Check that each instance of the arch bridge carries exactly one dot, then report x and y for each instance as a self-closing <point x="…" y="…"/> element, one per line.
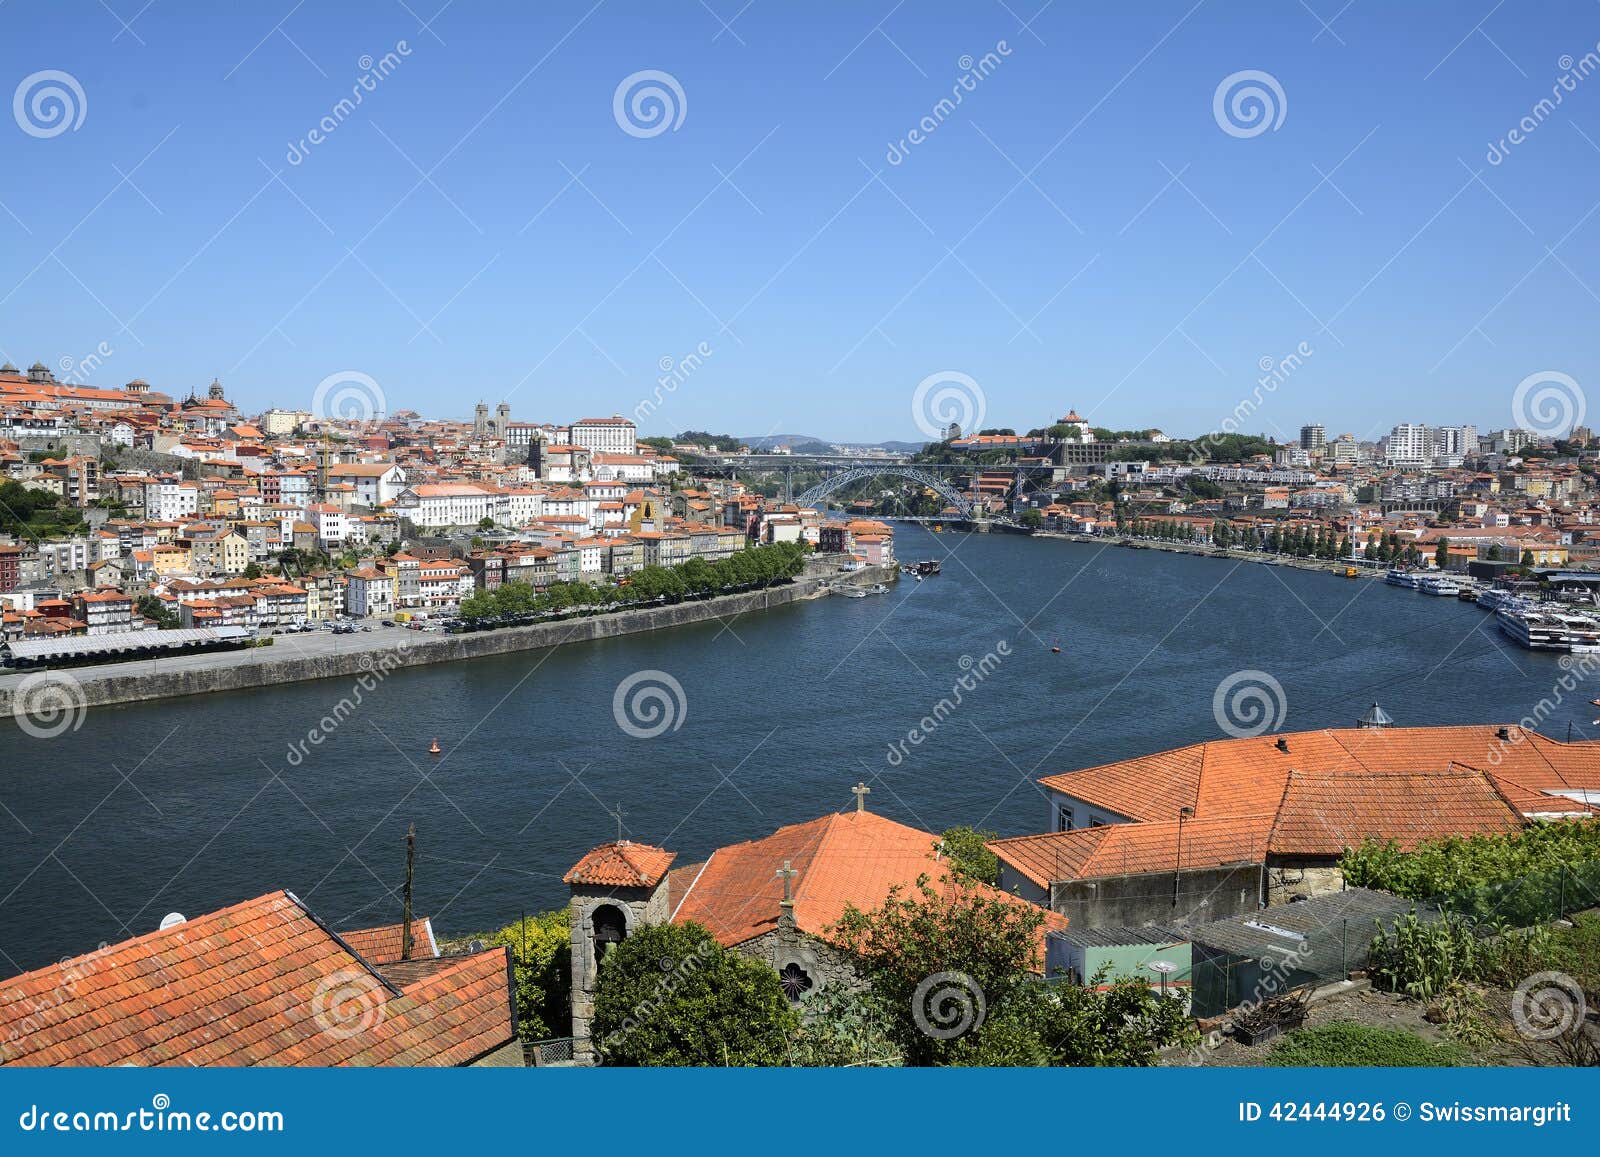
<point x="928" y="478"/>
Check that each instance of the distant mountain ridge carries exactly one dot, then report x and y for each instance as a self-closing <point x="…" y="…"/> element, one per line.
<point x="767" y="441"/>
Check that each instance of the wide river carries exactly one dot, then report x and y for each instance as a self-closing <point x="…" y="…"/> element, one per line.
<point x="191" y="804"/>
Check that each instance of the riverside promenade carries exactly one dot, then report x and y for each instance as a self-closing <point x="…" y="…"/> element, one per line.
<point x="324" y="655"/>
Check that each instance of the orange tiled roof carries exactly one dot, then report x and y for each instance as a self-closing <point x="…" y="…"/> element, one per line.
<point x="1130" y="849"/>
<point x="382" y="945"/>
<point x="258" y="983"/>
<point x="1323" y="814"/>
<point x="623" y="864"/>
<point x="1248" y="776"/>
<point x="853" y="858"/>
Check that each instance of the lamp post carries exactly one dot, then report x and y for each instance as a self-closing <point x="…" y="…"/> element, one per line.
<point x="1177" y="868"/>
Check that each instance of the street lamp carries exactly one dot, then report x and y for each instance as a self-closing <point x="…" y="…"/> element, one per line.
<point x="1184" y="813"/>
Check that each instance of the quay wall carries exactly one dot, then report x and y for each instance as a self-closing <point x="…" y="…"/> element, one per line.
<point x="101" y="687"/>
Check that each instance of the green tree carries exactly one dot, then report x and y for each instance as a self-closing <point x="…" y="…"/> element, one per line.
<point x="252" y="571"/>
<point x="1527" y="557"/>
<point x="541" y="955"/>
<point x="1032" y="518"/>
<point x="153" y="609"/>
<point x="669" y="994"/>
<point x="969" y="858"/>
<point x="1441" y="554"/>
<point x="486" y="523"/>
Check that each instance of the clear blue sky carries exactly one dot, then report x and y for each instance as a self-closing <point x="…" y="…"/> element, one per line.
<point x="1141" y="272"/>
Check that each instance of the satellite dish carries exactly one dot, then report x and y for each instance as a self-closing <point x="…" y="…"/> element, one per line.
<point x="172" y="920"/>
<point x="1162" y="966"/>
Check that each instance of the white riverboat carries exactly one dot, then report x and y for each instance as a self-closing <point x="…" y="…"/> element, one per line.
<point x="1435" y="585"/>
<point x="1401" y="578"/>
<point x="1550" y="630"/>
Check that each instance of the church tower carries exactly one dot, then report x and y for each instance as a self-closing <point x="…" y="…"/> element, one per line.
<point x="616" y="888"/>
<point x="480" y="420"/>
<point x="215" y="391"/>
<point x="502" y="420"/>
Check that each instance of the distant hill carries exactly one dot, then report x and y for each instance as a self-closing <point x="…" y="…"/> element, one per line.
<point x="812" y="444"/>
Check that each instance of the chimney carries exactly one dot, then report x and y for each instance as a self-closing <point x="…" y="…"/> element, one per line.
<point x="1283" y="745"/>
<point x="1504" y="735"/>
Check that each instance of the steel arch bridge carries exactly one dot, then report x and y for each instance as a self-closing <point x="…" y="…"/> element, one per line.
<point x="859" y="473"/>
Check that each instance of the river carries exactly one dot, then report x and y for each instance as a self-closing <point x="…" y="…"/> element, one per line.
<point x="191" y="804"/>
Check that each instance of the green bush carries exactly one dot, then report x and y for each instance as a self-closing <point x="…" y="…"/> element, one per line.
<point x="541" y="954"/>
<point x="671" y="995"/>
<point x="1346" y="1043"/>
<point x="1438" y="868"/>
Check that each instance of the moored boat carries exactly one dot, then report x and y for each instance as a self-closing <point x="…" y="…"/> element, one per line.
<point x="1401" y="578"/>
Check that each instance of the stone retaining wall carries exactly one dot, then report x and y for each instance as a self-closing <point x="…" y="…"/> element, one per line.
<point x="140" y="684"/>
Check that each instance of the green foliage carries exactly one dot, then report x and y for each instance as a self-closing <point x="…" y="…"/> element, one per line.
<point x="669" y="994"/>
<point x="1345" y="1043"/>
<point x="1426" y="960"/>
<point x="756" y="567"/>
<point x="843" y="1027"/>
<point x="1032" y="518"/>
<point x="724" y="442"/>
<point x="36" y="514"/>
<point x="969" y="858"/>
<point x="1458" y="864"/>
<point x="541" y="955"/>
<point x="964" y="960"/>
<point x="252" y="571"/>
<point x="155" y="610"/>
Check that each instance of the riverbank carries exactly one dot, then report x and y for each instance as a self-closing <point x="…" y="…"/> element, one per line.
<point x="329" y="656"/>
<point x="1326" y="566"/>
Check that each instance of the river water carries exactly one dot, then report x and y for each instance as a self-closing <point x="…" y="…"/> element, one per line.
<point x="191" y="804"/>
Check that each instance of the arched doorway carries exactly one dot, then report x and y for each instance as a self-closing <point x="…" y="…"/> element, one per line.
<point x="610" y="927"/>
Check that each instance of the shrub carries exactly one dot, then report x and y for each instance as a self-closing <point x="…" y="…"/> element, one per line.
<point x="1346" y="1043"/>
<point x="541" y="954"/>
<point x="671" y="995"/>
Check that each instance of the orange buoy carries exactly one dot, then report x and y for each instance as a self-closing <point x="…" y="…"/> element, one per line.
<point x="435" y="749"/>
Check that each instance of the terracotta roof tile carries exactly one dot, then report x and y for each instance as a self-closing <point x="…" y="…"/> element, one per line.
<point x="622" y="864"/>
<point x="262" y="982"/>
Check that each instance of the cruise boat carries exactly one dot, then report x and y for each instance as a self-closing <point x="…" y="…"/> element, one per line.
<point x="1550" y="630"/>
<point x="1401" y="578"/>
<point x="1435" y="585"/>
<point x="1498" y="598"/>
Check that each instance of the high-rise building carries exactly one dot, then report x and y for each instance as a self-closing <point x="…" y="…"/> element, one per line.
<point x="1455" y="441"/>
<point x="1345" y="450"/>
<point x="1313" y="440"/>
<point x="1409" y="444"/>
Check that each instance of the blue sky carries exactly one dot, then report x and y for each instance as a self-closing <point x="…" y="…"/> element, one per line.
<point x="1080" y="231"/>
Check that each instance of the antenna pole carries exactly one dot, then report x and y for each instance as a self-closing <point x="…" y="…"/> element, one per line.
<point x="405" y="920"/>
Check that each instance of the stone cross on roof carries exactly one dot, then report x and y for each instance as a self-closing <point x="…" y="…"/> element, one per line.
<point x="787" y="875"/>
<point x="861" y="791"/>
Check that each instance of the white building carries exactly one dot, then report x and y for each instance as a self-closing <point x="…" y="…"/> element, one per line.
<point x="442" y="504"/>
<point x="1409" y="444"/>
<point x="613" y="435"/>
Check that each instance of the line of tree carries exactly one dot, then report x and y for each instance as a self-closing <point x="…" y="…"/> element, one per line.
<point x="759" y="566"/>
